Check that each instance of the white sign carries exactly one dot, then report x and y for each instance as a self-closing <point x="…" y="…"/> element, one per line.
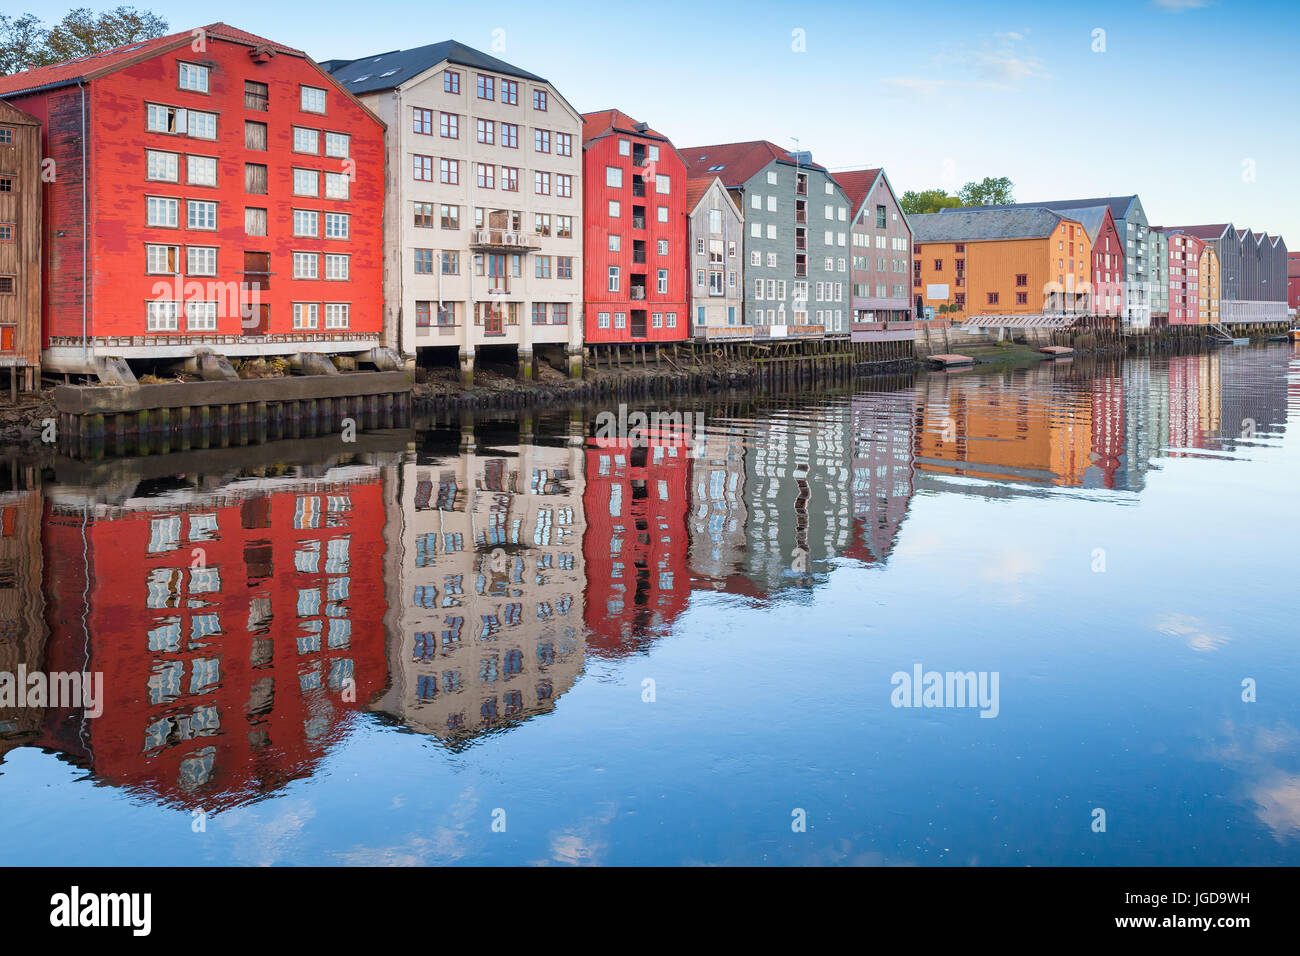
<point x="939" y="291"/>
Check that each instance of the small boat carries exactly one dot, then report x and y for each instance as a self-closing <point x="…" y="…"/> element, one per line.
<point x="1057" y="351"/>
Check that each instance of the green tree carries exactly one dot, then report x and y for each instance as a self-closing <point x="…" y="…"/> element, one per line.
<point x="991" y="191"/>
<point x="22" y="40"/>
<point x="927" y="200"/>
<point x="26" y="43"/>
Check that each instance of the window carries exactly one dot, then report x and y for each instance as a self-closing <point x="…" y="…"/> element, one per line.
<point x="615" y="242"/>
<point x="1022" y="279"/>
<point x="162" y="260"/>
<point x="164" y="167"/>
<point x="313" y="100"/>
<point x="663" y="247"/>
<point x="337" y="225"/>
<point x="450" y="262"/>
<point x="510" y="92"/>
<point x="337" y="266"/>
<point x="451" y="81"/>
<point x="564" y="267"/>
<point x="613" y="177"/>
<point x="306" y="182"/>
<point x="158" y="119"/>
<point x="337" y="315"/>
<point x="256" y="96"/>
<point x="663" y="282"/>
<point x="602" y="320"/>
<point x="254" y="135"/>
<point x="1022" y="298"/>
<point x="662" y="216"/>
<point x="486" y="87"/>
<point x="200" y="214"/>
<point x="542" y="224"/>
<point x="564" y="227"/>
<point x="422" y="167"/>
<point x="201" y="316"/>
<point x="993" y="298"/>
<point x="161" y="316"/>
<point x="449" y="217"/>
<point x="201" y="260"/>
<point x="542" y="183"/>
<point x="487" y="132"/>
<point x="306" y="265"/>
<point x="203" y="125"/>
<point x="620" y="320"/>
<point x="306" y="140"/>
<point x="255" y="221"/>
<point x="613" y="279"/>
<point x="542" y="267"/>
<point x="201" y="170"/>
<point x="163" y="211"/>
<point x="663" y="183"/>
<point x="563" y="144"/>
<point x="449" y="126"/>
<point x="449" y="171"/>
<point x="306" y="222"/>
<point x="510" y="178"/>
<point x="485" y="175"/>
<point x="336" y="185"/>
<point x="542" y="140"/>
<point x="423" y="262"/>
<point x="564" y="185"/>
<point x="615" y="210"/>
<point x="193" y="77"/>
<point x="305" y="315"/>
<point x="539" y="100"/>
<point x="338" y="145"/>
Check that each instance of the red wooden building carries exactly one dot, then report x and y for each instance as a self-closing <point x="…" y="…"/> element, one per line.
<point x="212" y="189"/>
<point x="634" y="234"/>
<point x="1107" y="262"/>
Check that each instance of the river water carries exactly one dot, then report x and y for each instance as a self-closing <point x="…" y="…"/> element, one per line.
<point x="529" y="640"/>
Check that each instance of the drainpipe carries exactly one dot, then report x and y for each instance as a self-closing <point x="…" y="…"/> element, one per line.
<point x="85" y="343"/>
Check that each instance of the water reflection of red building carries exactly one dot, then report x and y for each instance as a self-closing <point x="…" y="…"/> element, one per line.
<point x="235" y="631"/>
<point x="1108" y="431"/>
<point x="637" y="543"/>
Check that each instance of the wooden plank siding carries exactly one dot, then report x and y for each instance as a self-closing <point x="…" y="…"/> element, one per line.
<point x="20" y="239"/>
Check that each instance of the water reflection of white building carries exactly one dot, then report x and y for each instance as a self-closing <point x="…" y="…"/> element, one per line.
<point x="718" y="512"/>
<point x="486" y="579"/>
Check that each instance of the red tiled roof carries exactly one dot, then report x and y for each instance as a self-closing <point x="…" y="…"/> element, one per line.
<point x="695" y="189"/>
<point x="603" y="122"/>
<point x="856" y="183"/>
<point x="88" y="67"/>
<point x="738" y="161"/>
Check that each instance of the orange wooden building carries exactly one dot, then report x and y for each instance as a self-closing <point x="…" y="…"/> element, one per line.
<point x="1011" y="261"/>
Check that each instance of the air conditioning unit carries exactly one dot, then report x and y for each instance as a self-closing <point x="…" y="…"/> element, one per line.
<point x="514" y="239"/>
<point x="483" y="235"/>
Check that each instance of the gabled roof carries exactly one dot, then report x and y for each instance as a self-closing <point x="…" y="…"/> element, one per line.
<point x="1212" y="231"/>
<point x="606" y="122"/>
<point x="1092" y="218"/>
<point x="695" y="190"/>
<point x="975" y="223"/>
<point x="385" y="71"/>
<point x="737" y="163"/>
<point x="857" y="184"/>
<point x="16" y="117"/>
<point x="89" y="67"/>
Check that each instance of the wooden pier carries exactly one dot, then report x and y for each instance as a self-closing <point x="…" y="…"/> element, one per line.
<point x="95" y="421"/>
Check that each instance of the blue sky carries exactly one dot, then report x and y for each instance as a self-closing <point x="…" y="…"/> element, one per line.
<point x="936" y="92"/>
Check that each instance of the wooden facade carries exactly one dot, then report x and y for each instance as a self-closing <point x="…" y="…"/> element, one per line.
<point x="20" y="246"/>
<point x="214" y="190"/>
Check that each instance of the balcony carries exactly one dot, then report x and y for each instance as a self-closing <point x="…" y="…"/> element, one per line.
<point x="501" y="240"/>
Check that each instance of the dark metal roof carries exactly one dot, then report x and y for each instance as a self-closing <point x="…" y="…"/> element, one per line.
<point x="983" y="222"/>
<point x="384" y="71"/>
